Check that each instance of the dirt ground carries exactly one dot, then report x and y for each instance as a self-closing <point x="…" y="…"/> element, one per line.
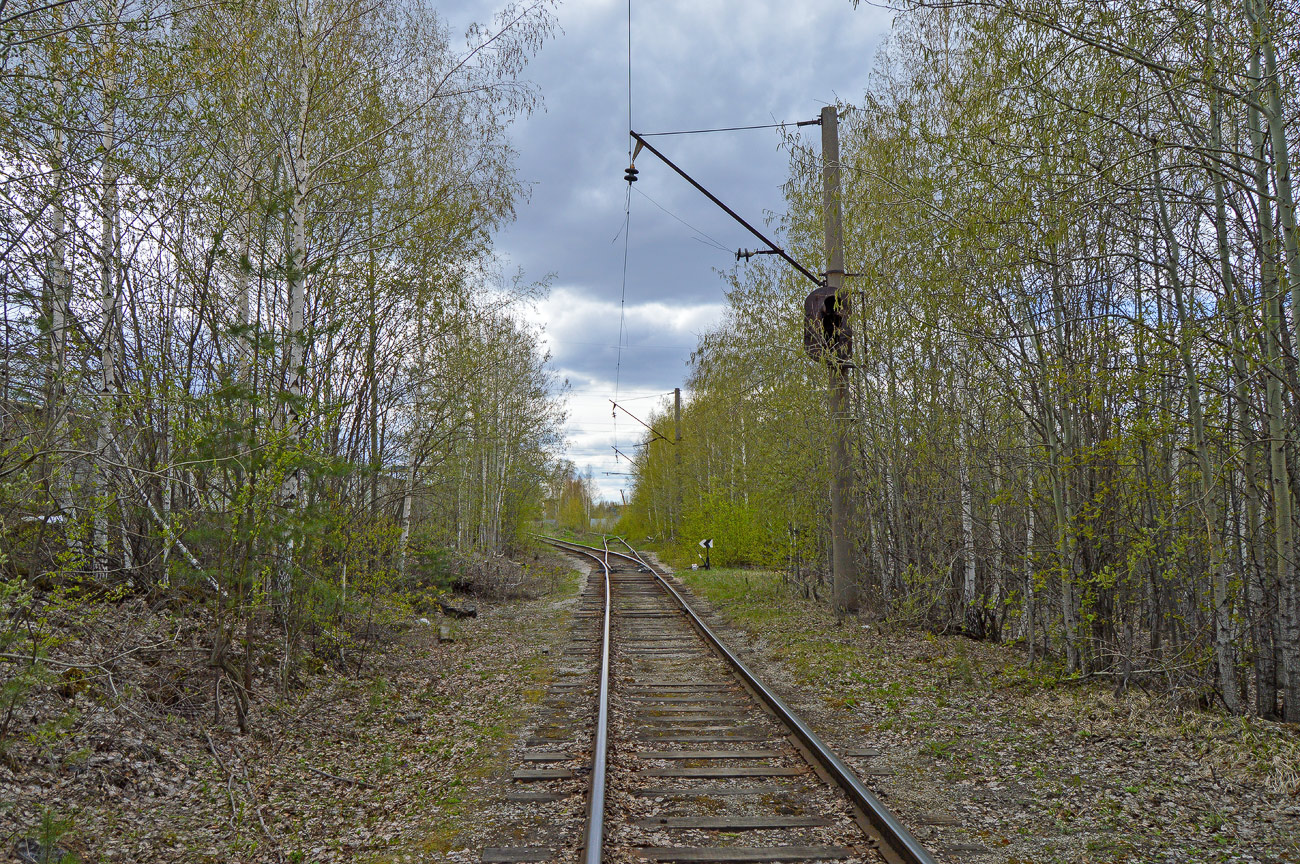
<point x="988" y="760"/>
<point x="993" y="761"/>
<point x="384" y="765"/>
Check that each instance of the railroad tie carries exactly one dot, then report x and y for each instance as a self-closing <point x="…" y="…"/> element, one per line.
<point x="719" y="746"/>
<point x="744" y="854"/>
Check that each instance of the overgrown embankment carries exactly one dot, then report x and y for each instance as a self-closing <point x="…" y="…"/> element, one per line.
<point x="1026" y="764"/>
<point x="128" y="749"/>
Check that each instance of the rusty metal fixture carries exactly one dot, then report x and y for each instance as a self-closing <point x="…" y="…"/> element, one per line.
<point x="827" y="333"/>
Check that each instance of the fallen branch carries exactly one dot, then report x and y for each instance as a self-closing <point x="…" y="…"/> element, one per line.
<point x="257" y="808"/>
<point x="230" y="777"/>
<point x="95" y="665"/>
<point x="164" y="524"/>
<point x="1083" y="677"/>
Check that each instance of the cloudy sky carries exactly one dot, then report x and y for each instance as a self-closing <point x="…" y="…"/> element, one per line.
<point x="701" y="64"/>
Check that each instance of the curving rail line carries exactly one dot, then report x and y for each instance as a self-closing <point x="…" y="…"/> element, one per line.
<point x="891" y="838"/>
<point x="593" y="845"/>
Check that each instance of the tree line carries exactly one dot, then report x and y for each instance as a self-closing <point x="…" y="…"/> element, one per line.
<point x="258" y="351"/>
<point x="1075" y="394"/>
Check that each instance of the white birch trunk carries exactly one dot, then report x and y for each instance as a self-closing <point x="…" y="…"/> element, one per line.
<point x="1289" y="599"/>
<point x="1028" y="629"/>
<point x="412" y="451"/>
<point x="243" y="275"/>
<point x="1267" y="668"/>
<point x="1224" y="655"/>
<point x="995" y="531"/>
<point x="291" y="489"/>
<point x="1224" y="642"/>
<point x="108" y="299"/>
<point x="974" y="620"/>
<point x="408" y="494"/>
<point x="60" y="315"/>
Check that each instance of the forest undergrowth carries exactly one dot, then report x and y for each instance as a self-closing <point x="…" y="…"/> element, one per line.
<point x="127" y="748"/>
<point x="1028" y="764"/>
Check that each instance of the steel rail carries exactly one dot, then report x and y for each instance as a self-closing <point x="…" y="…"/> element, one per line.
<point x="596" y="806"/>
<point x="594" y="841"/>
<point x="902" y="843"/>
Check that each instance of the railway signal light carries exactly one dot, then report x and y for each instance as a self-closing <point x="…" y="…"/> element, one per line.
<point x="826" y="331"/>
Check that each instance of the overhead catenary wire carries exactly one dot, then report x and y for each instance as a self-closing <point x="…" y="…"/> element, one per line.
<point x="706" y="238"/>
<point x="644" y="345"/>
<point x="627" y="230"/>
<point x="601" y="391"/>
<point x="705" y="131"/>
<point x="590" y="428"/>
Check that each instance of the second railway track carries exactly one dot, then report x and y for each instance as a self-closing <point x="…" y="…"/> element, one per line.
<point x="693" y="759"/>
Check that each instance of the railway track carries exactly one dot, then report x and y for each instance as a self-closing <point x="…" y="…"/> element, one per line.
<point x="690" y="758"/>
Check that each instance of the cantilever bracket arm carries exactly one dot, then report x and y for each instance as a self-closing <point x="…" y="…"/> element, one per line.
<point x="624" y="455"/>
<point x="653" y="431"/>
<point x="774" y="249"/>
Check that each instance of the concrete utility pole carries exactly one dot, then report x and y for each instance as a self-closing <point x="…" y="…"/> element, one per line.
<point x="844" y="572"/>
<point x="827" y="336"/>
<point x="677" y="413"/>
<point x="677" y="457"/>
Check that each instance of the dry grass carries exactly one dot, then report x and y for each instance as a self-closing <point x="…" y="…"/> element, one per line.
<point x="1033" y="767"/>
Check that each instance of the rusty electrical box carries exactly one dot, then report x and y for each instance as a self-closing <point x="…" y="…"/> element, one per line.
<point x="826" y="327"/>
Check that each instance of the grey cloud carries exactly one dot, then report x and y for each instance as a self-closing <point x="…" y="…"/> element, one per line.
<point x="695" y="65"/>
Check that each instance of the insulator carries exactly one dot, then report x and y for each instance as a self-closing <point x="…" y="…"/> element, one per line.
<point x="630" y="174"/>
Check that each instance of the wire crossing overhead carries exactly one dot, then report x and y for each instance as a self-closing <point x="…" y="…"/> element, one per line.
<point x="772" y="248"/>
